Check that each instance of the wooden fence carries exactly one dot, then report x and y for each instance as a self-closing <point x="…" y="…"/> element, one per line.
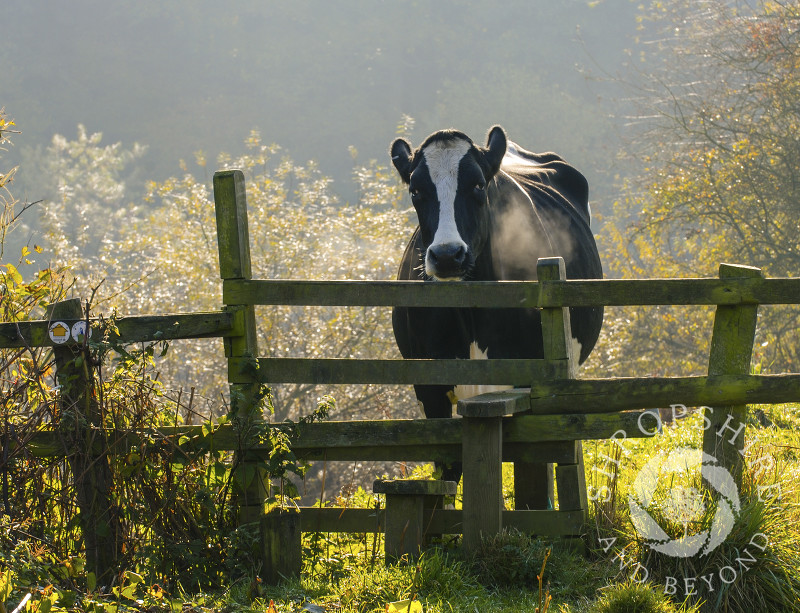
<point x="538" y="425"/>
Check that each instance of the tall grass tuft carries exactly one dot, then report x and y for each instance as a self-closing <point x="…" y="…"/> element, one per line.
<point x="512" y="559"/>
<point x="435" y="579"/>
<point x="755" y="568"/>
<point x="634" y="597"/>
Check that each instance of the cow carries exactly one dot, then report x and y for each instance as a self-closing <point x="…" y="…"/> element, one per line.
<point x="488" y="213"/>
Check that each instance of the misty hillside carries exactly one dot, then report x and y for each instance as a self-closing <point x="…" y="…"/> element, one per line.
<point x="315" y="77"/>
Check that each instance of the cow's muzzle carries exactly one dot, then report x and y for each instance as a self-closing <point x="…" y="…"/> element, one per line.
<point x="446" y="260"/>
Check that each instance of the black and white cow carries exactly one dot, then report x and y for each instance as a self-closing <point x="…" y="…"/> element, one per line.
<point x="488" y="214"/>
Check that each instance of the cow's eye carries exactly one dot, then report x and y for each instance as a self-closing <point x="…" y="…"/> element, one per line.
<point x="479" y="187"/>
<point x="414" y="192"/>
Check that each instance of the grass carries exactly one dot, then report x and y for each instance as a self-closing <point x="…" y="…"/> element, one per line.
<point x="513" y="571"/>
<point x="503" y="575"/>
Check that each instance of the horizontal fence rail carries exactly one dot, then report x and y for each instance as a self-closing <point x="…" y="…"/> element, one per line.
<point x="619" y="394"/>
<point x="478" y="294"/>
<point x="525" y="437"/>
<point x="143" y="328"/>
<point x="392" y="372"/>
<point x="436" y="521"/>
<point x="504" y="294"/>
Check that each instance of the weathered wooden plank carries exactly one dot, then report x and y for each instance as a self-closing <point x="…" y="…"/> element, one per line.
<point x="143" y="328"/>
<point x="589" y="292"/>
<point x="571" y="481"/>
<point x="405" y="526"/>
<point x="482" y="447"/>
<point x="496" y="404"/>
<point x="281" y="533"/>
<point x="480" y="294"/>
<point x="633" y="292"/>
<point x="389" y="432"/>
<point x="531" y="438"/>
<point x="542" y="428"/>
<point x="556" y="327"/>
<point x="406" y="503"/>
<point x="390" y="372"/>
<point x="610" y="395"/>
<point x="91" y="474"/>
<point x="233" y="235"/>
<point x="421" y="439"/>
<point x="730" y="354"/>
<point x="233" y="241"/>
<point x="533" y="481"/>
<point x="438" y="521"/>
<point x="414" y="487"/>
<point x="398" y="453"/>
<point x="48" y="444"/>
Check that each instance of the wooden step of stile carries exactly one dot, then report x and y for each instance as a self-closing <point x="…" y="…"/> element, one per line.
<point x="408" y="503"/>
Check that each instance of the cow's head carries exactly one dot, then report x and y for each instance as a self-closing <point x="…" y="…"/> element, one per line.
<point x="448" y="178"/>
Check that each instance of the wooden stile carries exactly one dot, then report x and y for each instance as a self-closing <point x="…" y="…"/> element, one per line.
<point x="409" y="505"/>
<point x="535" y="427"/>
<point x="558" y="344"/>
<point x="533" y="481"/>
<point x="281" y="534"/>
<point x="482" y="452"/>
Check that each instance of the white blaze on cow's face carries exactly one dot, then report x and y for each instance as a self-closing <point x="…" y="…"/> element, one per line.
<point x="443" y="159"/>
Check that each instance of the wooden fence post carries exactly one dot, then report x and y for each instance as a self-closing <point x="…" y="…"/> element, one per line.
<point x="281" y="539"/>
<point x="533" y="481"/>
<point x="558" y="345"/>
<point x="233" y="239"/>
<point x="81" y="421"/>
<point x="482" y="451"/>
<point x="730" y="354"/>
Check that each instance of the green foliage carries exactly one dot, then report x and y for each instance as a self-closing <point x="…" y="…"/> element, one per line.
<point x="633" y="598"/>
<point x="90" y="208"/>
<point x="513" y="559"/>
<point x="435" y="579"/>
<point x="718" y="161"/>
<point x="160" y="255"/>
<point x="7" y="199"/>
<point x="282" y="462"/>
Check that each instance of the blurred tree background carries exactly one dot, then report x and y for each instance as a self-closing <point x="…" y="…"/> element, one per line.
<point x="717" y="149"/>
<point x="703" y="96"/>
<point x="314" y="77"/>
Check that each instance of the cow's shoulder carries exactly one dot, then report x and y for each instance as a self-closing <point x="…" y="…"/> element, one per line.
<point x="550" y="169"/>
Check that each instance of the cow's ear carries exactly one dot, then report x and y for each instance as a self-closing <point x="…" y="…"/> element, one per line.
<point x="401" y="158"/>
<point x="496" y="144"/>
